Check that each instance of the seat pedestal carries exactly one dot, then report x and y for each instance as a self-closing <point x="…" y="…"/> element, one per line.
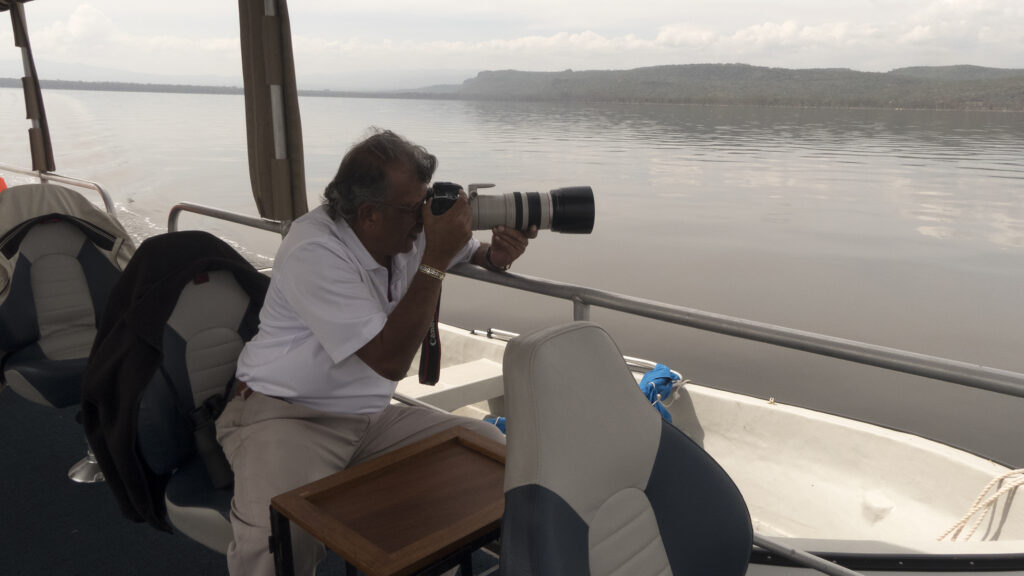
<point x="87" y="470"/>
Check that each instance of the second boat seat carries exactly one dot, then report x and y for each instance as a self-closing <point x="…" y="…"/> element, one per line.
<point x="161" y="370"/>
<point x="596" y="482"/>
<point x="59" y="259"/>
<point x="202" y="340"/>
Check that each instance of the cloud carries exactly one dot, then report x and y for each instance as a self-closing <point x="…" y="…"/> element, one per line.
<point x="685" y="35"/>
<point x="768" y="34"/>
<point x="401" y="35"/>
<point x="85" y="23"/>
<point x="537" y="52"/>
<point x="918" y="34"/>
<point x="89" y="36"/>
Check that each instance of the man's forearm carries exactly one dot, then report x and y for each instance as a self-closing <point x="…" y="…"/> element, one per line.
<point x="391" y="351"/>
<point x="479" y="257"/>
<point x="482" y="259"/>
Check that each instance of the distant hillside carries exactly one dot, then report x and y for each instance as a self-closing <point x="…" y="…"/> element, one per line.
<point x="942" y="88"/>
<point x="957" y="73"/>
<point x="433" y="92"/>
<point x="123" y="86"/>
<point x="952" y="87"/>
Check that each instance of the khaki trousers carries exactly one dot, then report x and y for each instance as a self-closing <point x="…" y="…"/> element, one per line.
<point x="275" y="446"/>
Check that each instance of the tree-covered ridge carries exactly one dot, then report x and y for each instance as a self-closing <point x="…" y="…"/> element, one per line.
<point x="951" y="87"/>
<point x="943" y="87"/>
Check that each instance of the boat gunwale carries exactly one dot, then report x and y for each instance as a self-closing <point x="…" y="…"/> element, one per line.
<point x="908" y="562"/>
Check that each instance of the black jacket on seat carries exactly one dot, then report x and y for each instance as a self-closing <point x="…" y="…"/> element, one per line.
<point x="128" y="350"/>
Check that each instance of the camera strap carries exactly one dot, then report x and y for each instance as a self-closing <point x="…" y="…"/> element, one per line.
<point x="430" y="352"/>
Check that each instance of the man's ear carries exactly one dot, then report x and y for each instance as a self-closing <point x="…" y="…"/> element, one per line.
<point x="368" y="215"/>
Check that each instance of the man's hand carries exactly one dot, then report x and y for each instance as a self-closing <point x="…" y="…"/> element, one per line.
<point x="390" y="352"/>
<point x="446" y="233"/>
<point x="507" y="244"/>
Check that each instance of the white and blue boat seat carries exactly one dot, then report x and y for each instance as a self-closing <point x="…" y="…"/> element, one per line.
<point x="162" y="369"/>
<point x="596" y="482"/>
<point x="59" y="259"/>
<point x="203" y="337"/>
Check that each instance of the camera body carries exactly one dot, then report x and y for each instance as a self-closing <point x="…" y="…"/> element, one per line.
<point x="568" y="210"/>
<point x="444" y="195"/>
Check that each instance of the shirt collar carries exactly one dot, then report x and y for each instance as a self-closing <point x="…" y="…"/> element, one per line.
<point x="348" y="237"/>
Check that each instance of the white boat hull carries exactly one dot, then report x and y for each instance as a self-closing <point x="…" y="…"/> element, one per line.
<point x="878" y="499"/>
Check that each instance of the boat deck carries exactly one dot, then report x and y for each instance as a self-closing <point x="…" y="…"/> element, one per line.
<point x="55" y="526"/>
<point x="52" y="525"/>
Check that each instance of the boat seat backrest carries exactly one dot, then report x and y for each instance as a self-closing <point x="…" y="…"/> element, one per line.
<point x="596" y="482"/>
<point x="205" y="333"/>
<point x="202" y="340"/>
<point x="160" y="372"/>
<point x="59" y="286"/>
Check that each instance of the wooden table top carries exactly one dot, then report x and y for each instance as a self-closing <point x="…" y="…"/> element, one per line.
<point x="399" y="513"/>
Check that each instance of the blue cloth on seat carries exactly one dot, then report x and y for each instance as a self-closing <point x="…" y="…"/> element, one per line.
<point x="659" y="381"/>
<point x="498" y="421"/>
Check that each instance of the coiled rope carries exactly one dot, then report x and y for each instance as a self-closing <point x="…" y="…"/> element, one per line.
<point x="1014" y="479"/>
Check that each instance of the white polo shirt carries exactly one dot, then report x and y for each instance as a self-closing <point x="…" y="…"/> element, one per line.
<point x="328" y="297"/>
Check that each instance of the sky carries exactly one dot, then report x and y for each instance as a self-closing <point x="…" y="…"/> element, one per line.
<point x="413" y="43"/>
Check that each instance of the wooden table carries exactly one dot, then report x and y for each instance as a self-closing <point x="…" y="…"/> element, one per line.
<point x="425" y="506"/>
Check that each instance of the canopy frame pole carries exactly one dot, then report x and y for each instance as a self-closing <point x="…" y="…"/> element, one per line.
<point x="39" y="133"/>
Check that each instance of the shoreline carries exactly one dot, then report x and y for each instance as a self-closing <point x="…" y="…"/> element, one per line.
<point x="15" y="83"/>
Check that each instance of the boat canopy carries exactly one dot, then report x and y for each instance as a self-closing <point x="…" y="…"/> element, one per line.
<point x="272" y="110"/>
<point x="39" y="132"/>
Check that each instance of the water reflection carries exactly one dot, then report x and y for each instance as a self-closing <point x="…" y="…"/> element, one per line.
<point x="941" y="175"/>
<point x="769" y="172"/>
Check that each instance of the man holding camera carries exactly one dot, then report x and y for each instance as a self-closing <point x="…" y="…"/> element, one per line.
<point x="355" y="290"/>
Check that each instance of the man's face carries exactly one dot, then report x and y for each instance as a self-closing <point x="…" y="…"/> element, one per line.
<point x="403" y="219"/>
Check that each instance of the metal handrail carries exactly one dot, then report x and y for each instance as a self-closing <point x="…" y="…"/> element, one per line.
<point x="801" y="557"/>
<point x="963" y="373"/>
<point x="108" y="202"/>
<point x="281" y="227"/>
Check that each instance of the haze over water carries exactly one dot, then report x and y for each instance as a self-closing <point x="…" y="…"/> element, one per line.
<point x="898" y="228"/>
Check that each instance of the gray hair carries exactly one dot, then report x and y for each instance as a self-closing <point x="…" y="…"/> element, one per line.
<point x="363" y="175"/>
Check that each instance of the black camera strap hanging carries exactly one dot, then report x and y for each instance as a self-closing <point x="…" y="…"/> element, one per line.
<point x="430" y="352"/>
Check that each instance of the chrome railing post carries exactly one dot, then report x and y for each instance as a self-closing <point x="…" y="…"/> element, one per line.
<point x="580" y="310"/>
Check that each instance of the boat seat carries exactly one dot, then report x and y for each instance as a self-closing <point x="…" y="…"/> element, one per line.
<point x="58" y="290"/>
<point x="596" y="482"/>
<point x="210" y="323"/>
<point x="161" y="372"/>
<point x="60" y="257"/>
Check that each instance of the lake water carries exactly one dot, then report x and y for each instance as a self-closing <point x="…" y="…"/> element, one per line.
<point x="899" y="228"/>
